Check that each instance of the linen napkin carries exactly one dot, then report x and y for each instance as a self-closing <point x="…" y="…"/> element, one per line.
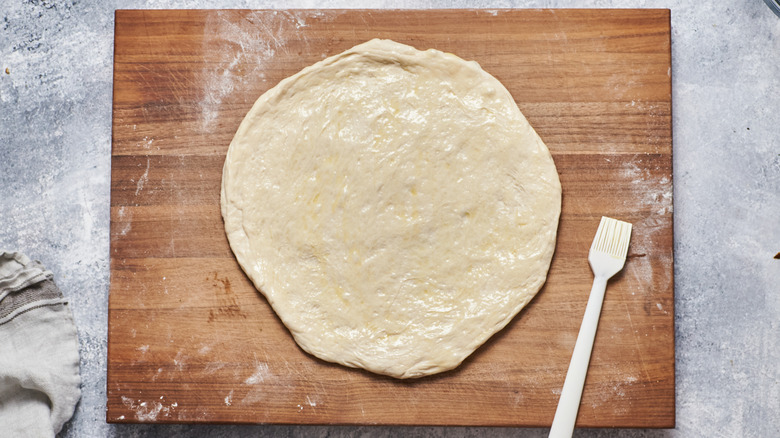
<point x="39" y="356"/>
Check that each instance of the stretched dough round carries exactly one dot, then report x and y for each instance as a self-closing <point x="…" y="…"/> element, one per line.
<point x="393" y="205"/>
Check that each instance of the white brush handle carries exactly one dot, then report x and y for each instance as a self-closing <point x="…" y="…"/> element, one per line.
<point x="569" y="404"/>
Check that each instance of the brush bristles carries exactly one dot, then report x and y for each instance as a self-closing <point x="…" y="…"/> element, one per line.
<point x="612" y="237"/>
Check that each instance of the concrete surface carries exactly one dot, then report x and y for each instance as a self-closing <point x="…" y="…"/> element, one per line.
<point x="55" y="141"/>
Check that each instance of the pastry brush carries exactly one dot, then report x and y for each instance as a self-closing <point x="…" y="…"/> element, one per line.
<point x="607" y="257"/>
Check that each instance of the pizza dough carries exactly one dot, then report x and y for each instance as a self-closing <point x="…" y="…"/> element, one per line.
<point x="393" y="205"/>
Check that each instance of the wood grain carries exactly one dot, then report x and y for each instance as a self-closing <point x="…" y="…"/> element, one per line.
<point x="191" y="340"/>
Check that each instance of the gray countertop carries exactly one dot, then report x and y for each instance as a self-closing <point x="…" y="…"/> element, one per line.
<point x="55" y="145"/>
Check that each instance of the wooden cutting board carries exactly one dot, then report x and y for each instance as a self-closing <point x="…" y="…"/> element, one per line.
<point x="191" y="340"/>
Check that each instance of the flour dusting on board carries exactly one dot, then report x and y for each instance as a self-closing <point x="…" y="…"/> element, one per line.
<point x="142" y="180"/>
<point x="126" y="219"/>
<point x="262" y="384"/>
<point x="229" y="398"/>
<point x="649" y="192"/>
<point x="146" y="143"/>
<point x="213" y="367"/>
<point x="149" y="411"/>
<point x="298" y="17"/>
<point x="653" y="193"/>
<point x="261" y="373"/>
<point x="179" y="361"/>
<point x="610" y="392"/>
<point x="244" y="49"/>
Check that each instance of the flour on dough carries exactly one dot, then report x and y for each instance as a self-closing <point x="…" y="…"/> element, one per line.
<point x="393" y="205"/>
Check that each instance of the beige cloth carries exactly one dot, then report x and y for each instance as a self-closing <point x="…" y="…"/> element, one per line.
<point x="39" y="356"/>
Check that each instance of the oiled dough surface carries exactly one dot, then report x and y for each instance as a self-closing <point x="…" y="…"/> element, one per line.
<point x="393" y="205"/>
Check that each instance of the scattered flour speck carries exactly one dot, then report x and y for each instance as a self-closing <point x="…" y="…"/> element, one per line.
<point x="213" y="367"/>
<point x="179" y="361"/>
<point x="260" y="374"/>
<point x="142" y="180"/>
<point x="146" y="143"/>
<point x="146" y="412"/>
<point x="126" y="217"/>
